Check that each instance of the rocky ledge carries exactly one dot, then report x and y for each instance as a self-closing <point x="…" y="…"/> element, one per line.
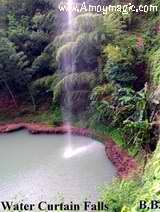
<point x="124" y="163"/>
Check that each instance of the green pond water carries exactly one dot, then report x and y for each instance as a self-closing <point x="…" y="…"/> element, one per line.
<point x="49" y="167"/>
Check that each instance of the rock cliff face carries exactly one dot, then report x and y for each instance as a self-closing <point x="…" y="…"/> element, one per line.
<point x="125" y="164"/>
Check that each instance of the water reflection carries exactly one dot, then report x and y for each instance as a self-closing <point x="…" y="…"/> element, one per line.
<point x="71" y="152"/>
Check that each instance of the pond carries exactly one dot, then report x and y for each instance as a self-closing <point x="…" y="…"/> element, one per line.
<point x="48" y="167"/>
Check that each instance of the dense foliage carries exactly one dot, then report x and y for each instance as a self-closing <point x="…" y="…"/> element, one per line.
<point x="104" y="72"/>
<point x="99" y="68"/>
<point x="125" y="195"/>
<point x="27" y="31"/>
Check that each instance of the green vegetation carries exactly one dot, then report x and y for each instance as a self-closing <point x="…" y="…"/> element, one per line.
<point x="125" y="195"/>
<point x="91" y="70"/>
<point x="104" y="74"/>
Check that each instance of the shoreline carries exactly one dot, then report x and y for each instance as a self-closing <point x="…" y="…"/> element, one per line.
<point x="125" y="165"/>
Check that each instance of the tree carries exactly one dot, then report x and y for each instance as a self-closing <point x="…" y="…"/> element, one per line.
<point x="14" y="72"/>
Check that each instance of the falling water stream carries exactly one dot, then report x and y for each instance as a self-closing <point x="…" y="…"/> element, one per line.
<point x="70" y="14"/>
<point x="67" y="115"/>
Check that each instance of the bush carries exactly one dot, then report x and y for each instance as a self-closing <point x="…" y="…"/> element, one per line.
<point x="125" y="195"/>
<point x="122" y="74"/>
<point x="155" y="66"/>
<point x="120" y="194"/>
<point x="57" y="116"/>
<point x="122" y="108"/>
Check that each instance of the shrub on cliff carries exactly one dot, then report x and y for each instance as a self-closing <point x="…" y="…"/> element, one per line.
<point x="121" y="193"/>
<point x="125" y="195"/>
<point x="155" y="66"/>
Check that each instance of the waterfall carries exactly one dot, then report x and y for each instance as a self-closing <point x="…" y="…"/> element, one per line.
<point x="70" y="14"/>
<point x="70" y="69"/>
<point x="68" y="117"/>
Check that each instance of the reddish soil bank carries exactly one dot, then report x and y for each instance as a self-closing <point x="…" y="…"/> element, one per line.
<point x="6" y="102"/>
<point x="125" y="164"/>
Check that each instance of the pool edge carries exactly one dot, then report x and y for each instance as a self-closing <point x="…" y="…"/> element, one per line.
<point x="126" y="165"/>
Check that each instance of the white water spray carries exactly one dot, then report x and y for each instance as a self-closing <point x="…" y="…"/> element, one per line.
<point x="69" y="100"/>
<point x="70" y="14"/>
